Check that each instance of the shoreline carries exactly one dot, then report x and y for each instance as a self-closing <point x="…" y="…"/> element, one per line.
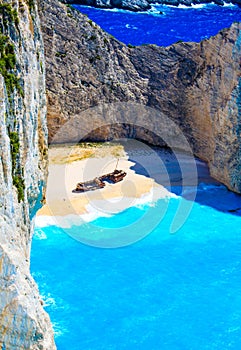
<point x="62" y="202"/>
<point x="91" y="214"/>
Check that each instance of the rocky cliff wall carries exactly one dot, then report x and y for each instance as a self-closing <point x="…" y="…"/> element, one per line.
<point x="23" y="151"/>
<point x="197" y="85"/>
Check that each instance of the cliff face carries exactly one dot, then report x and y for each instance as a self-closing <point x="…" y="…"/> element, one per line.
<point x="197" y="85"/>
<point x="23" y="144"/>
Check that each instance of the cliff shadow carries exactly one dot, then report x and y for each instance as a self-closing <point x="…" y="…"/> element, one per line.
<point x="168" y="172"/>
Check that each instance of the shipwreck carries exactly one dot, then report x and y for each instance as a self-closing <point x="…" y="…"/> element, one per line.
<point x="100" y="182"/>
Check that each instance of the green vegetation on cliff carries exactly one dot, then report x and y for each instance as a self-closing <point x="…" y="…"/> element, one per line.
<point x="8" y="65"/>
<point x="31" y="4"/>
<point x="9" y="22"/>
<point x="9" y="16"/>
<point x="17" y="172"/>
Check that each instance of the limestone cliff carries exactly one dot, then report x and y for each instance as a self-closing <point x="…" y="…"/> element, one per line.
<point x="23" y="151"/>
<point x="197" y="85"/>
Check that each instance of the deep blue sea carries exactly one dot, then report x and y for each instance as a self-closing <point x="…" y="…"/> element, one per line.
<point x="171" y="290"/>
<point x="174" y="24"/>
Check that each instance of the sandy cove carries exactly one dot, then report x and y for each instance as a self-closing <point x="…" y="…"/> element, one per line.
<point x="67" y="167"/>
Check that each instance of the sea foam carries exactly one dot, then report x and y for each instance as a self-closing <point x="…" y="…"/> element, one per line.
<point x="101" y="208"/>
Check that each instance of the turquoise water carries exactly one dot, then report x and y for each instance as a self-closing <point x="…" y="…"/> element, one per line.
<point x="167" y="291"/>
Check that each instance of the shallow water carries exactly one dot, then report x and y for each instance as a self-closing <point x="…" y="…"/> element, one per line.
<point x="187" y="24"/>
<point x="171" y="290"/>
<point x="168" y="291"/>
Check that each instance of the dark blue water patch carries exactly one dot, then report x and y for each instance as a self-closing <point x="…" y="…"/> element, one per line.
<point x="174" y="24"/>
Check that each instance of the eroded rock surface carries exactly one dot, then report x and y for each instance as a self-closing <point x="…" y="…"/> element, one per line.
<point x="23" y="167"/>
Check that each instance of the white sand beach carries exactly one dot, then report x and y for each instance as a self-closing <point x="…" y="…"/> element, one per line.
<point x="72" y="164"/>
